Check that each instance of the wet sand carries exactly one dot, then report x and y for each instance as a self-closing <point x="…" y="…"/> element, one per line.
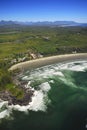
<point x="47" y="61"/>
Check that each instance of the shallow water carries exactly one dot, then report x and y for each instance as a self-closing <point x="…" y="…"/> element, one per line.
<point x="59" y="101"/>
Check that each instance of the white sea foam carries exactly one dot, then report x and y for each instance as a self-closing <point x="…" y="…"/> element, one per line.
<point x="28" y="85"/>
<point x="19" y="108"/>
<point x="51" y="81"/>
<point x="40" y="100"/>
<point x="51" y="70"/>
<point x="77" y="68"/>
<point x="46" y="72"/>
<point x="45" y="87"/>
<point x="25" y="78"/>
<point x="58" y="73"/>
<point x="4" y="113"/>
<point x="2" y="103"/>
<point x="81" y="66"/>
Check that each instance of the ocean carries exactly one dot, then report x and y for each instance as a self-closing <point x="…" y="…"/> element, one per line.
<point x="59" y="101"/>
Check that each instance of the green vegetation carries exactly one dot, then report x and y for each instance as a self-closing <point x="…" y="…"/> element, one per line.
<point x="6" y="84"/>
<point x="15" y="91"/>
<point x="17" y="42"/>
<point x="45" y="40"/>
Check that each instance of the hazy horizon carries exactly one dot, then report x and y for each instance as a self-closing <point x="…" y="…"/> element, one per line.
<point x="39" y="21"/>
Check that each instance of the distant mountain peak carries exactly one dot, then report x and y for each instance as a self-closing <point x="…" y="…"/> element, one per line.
<point x="43" y="23"/>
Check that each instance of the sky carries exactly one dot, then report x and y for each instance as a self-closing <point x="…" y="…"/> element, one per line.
<point x="44" y="10"/>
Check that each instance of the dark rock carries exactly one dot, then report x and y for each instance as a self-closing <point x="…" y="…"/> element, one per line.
<point x="7" y="96"/>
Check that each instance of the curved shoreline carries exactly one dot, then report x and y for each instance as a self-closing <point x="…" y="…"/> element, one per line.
<point x="32" y="64"/>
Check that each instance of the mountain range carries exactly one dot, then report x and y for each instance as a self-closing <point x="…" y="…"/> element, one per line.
<point x="43" y="23"/>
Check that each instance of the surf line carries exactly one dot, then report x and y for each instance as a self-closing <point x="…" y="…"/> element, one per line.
<point x="33" y="64"/>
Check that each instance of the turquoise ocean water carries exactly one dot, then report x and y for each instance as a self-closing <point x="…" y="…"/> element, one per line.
<point x="59" y="101"/>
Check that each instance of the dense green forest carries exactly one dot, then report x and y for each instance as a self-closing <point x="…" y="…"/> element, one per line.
<point x="18" y="41"/>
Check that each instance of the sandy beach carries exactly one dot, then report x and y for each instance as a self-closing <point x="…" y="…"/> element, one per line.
<point x="47" y="61"/>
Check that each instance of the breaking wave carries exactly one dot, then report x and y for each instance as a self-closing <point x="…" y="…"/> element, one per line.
<point x="42" y="81"/>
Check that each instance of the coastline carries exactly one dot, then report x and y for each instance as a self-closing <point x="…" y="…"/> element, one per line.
<point x="32" y="64"/>
<point x="32" y="95"/>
